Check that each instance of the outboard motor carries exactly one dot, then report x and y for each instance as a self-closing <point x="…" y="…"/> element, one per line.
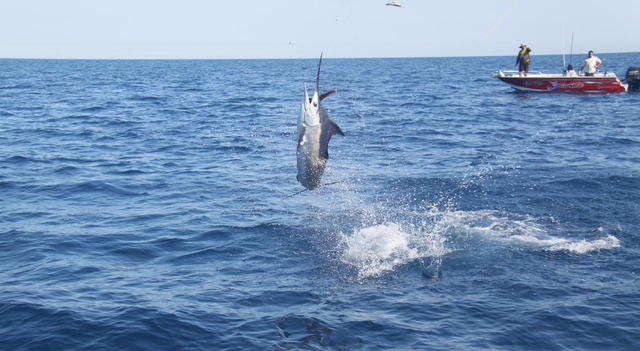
<point x="633" y="78"/>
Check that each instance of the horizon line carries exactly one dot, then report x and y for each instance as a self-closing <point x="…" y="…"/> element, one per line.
<point x="284" y="58"/>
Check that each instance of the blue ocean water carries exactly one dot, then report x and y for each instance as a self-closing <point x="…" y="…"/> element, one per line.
<point x="144" y="207"/>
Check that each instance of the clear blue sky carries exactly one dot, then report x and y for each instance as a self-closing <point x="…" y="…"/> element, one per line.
<point x="302" y="28"/>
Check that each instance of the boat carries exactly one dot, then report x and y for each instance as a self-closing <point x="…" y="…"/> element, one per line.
<point x="568" y="81"/>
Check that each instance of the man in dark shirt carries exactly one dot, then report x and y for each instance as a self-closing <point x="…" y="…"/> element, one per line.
<point x="523" y="60"/>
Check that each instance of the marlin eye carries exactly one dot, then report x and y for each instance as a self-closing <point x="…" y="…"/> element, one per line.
<point x="315" y="104"/>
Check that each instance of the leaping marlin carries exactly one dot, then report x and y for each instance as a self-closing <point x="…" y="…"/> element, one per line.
<point x="315" y="129"/>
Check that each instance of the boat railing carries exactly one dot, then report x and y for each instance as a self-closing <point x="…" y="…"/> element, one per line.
<point x="511" y="73"/>
<point x="507" y="73"/>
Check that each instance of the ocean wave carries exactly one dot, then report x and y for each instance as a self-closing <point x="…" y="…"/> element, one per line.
<point x="303" y="332"/>
<point x="17" y="87"/>
<point x="22" y="159"/>
<point x="74" y="160"/>
<point x="28" y="326"/>
<point x="7" y="185"/>
<point x="207" y="255"/>
<point x="93" y="109"/>
<point x="231" y="148"/>
<point x="216" y="234"/>
<point x="128" y="172"/>
<point x="84" y="188"/>
<point x="277" y="299"/>
<point x="140" y="253"/>
<point x="78" y="117"/>
<point x="147" y="98"/>
<point x="622" y="141"/>
<point x="66" y="170"/>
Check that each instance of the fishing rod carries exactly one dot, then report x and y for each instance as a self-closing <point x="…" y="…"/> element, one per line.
<point x="303" y="190"/>
<point x="571" y="52"/>
<point x="564" y="63"/>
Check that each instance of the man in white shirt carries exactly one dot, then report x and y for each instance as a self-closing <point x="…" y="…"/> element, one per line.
<point x="591" y="64"/>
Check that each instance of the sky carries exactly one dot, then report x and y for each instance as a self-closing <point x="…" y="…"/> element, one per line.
<point x="218" y="29"/>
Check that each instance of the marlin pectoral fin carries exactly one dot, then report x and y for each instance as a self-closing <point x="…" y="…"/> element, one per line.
<point x="334" y="129"/>
<point x="324" y="152"/>
<point x="331" y="129"/>
<point x="324" y="95"/>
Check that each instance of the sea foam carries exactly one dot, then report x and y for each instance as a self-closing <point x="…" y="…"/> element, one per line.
<point x="379" y="249"/>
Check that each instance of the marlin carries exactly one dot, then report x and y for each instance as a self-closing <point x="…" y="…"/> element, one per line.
<point x="315" y="129"/>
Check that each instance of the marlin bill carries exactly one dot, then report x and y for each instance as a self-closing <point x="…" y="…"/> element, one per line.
<point x="315" y="129"/>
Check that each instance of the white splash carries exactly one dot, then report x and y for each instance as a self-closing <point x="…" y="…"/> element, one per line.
<point x="584" y="246"/>
<point x="522" y="230"/>
<point x="379" y="249"/>
<point x="391" y="235"/>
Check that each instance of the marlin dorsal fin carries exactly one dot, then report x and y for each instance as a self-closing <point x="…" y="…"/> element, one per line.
<point x="324" y="95"/>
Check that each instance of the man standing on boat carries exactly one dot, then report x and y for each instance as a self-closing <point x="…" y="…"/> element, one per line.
<point x="523" y="60"/>
<point x="591" y="64"/>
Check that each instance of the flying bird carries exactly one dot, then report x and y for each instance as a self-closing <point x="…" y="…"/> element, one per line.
<point x="394" y="3"/>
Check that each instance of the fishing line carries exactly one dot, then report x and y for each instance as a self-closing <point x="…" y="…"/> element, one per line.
<point x="320" y="186"/>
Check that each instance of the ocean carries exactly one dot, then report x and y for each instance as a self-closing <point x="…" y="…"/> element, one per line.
<point x="145" y="206"/>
